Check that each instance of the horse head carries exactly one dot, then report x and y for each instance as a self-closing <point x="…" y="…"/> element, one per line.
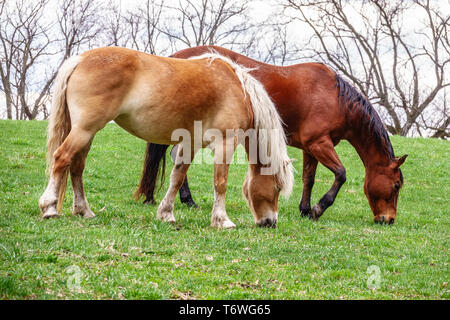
<point x="382" y="187"/>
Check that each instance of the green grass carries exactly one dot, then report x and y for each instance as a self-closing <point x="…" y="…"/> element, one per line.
<point x="125" y="252"/>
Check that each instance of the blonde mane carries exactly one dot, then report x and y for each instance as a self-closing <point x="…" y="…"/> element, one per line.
<point x="265" y="117"/>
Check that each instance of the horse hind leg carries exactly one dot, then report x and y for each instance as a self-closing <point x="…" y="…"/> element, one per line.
<point x="185" y="192"/>
<point x="80" y="204"/>
<point x="308" y="177"/>
<point x="165" y="208"/>
<point x="49" y="199"/>
<point x="75" y="142"/>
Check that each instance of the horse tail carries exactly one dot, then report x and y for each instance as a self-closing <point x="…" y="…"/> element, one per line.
<point x="59" y="124"/>
<point x="153" y="156"/>
<point x="266" y="118"/>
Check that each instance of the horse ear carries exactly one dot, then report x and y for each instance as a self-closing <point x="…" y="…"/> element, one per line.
<point x="401" y="160"/>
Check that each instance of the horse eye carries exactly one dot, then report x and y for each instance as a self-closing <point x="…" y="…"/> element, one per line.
<point x="397" y="186"/>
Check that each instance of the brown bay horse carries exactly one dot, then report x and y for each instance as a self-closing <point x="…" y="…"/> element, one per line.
<point x="152" y="97"/>
<point x="319" y="109"/>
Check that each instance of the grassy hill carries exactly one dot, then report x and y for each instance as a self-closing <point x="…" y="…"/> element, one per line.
<point x="125" y="252"/>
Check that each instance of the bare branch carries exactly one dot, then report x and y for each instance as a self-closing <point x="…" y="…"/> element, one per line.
<point x="369" y="43"/>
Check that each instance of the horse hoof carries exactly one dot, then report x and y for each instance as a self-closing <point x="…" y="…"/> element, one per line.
<point x="228" y="225"/>
<point x="225" y="224"/>
<point x="51" y="213"/>
<point x="306" y="214"/>
<point x="88" y="214"/>
<point x="192" y="204"/>
<point x="189" y="202"/>
<point x="149" y="201"/>
<point x="85" y="213"/>
<point x="166" y="216"/>
<point x="165" y="212"/>
<point x="316" y="212"/>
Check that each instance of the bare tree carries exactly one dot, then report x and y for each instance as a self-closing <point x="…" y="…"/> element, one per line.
<point x="24" y="38"/>
<point x="439" y="122"/>
<point x="79" y="24"/>
<point x="29" y="40"/>
<point x="114" y="27"/>
<point x="144" y="25"/>
<point x="6" y="54"/>
<point x="270" y="42"/>
<point x="151" y="14"/>
<point x="206" y="22"/>
<point x="369" y="43"/>
<point x="137" y="27"/>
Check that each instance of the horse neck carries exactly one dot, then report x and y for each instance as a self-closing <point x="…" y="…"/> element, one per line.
<point x="371" y="154"/>
<point x="365" y="130"/>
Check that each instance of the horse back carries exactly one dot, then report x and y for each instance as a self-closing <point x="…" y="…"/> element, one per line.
<point x="306" y="98"/>
<point x="135" y="89"/>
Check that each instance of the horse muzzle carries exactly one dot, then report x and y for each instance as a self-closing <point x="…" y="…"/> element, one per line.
<point x="384" y="219"/>
<point x="269" y="221"/>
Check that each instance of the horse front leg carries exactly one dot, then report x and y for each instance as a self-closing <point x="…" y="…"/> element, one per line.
<point x="223" y="154"/>
<point x="323" y="151"/>
<point x="308" y="177"/>
<point x="219" y="218"/>
<point x="185" y="192"/>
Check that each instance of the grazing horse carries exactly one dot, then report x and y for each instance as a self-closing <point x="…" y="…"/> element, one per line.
<point x="151" y="97"/>
<point x="319" y="109"/>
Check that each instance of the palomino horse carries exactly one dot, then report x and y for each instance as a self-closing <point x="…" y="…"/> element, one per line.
<point x="151" y="97"/>
<point x="319" y="109"/>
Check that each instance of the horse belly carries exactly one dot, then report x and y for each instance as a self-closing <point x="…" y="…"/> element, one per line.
<point x="149" y="124"/>
<point x="154" y="116"/>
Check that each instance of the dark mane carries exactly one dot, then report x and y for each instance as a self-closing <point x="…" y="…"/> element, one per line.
<point x="370" y="120"/>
